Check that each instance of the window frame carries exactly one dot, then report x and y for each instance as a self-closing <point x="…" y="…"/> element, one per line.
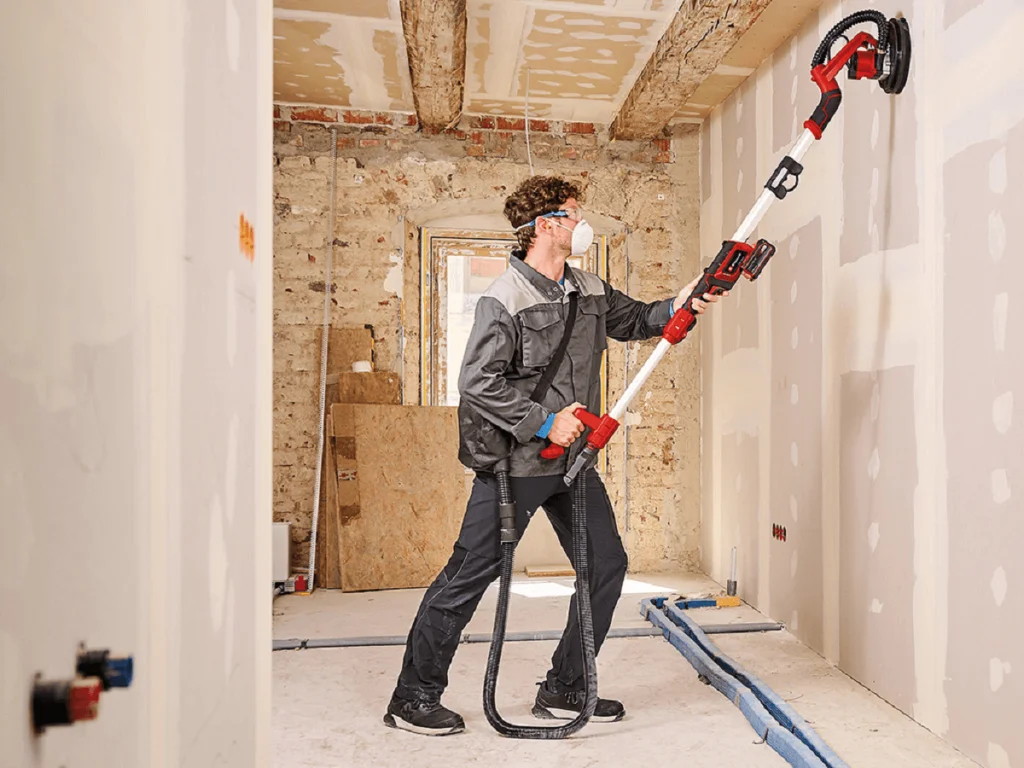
<point x="432" y="313"/>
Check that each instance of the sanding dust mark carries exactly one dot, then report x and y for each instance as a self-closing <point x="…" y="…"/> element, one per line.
<point x="873" y="536"/>
<point x="478" y="46"/>
<point x="876" y="606"/>
<point x="218" y="563"/>
<point x="794" y="624"/>
<point x="233" y="34"/>
<point x="996" y="236"/>
<point x="231" y="468"/>
<point x="314" y="73"/>
<point x="794" y="338"/>
<point x="997" y="757"/>
<point x="997" y="670"/>
<point x="231" y="312"/>
<point x="793" y="507"/>
<point x="229" y="633"/>
<point x="385" y="43"/>
<point x="874" y="464"/>
<point x="999" y="586"/>
<point x="373" y="9"/>
<point x="792" y="293"/>
<point x="999" y="310"/>
<point x="1002" y="412"/>
<point x="794" y="394"/>
<point x="794" y="455"/>
<point x="1000" y="486"/>
<point x="997" y="171"/>
<point x="611" y="48"/>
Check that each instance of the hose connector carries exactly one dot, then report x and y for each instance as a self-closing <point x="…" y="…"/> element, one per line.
<point x="583" y="461"/>
<point x="507" y="513"/>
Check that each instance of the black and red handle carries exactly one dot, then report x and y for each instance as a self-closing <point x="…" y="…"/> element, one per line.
<point x="733" y="260"/>
<point x="862" y="62"/>
<point x="601" y="430"/>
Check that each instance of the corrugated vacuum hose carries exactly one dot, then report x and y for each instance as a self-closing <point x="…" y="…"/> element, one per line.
<point x="586" y="620"/>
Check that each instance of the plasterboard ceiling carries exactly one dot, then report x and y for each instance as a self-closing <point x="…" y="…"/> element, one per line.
<point x="341" y="53"/>
<point x="580" y="57"/>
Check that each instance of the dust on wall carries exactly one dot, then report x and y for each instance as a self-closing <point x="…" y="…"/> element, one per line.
<point x="864" y="396"/>
<point x="391" y="180"/>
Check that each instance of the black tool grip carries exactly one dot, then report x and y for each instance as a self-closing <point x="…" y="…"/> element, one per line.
<point x="826" y="110"/>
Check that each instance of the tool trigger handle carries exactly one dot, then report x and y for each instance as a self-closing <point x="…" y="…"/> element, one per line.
<point x="589" y="420"/>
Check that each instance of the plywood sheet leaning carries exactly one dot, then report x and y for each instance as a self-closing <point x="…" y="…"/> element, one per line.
<point x="345" y="348"/>
<point x="328" y="560"/>
<point x="378" y="387"/>
<point x="412" y="494"/>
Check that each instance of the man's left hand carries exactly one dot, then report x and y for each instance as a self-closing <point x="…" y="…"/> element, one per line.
<point x="698" y="306"/>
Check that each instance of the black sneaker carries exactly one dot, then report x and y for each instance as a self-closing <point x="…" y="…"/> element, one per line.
<point x="568" y="704"/>
<point x="425" y="716"/>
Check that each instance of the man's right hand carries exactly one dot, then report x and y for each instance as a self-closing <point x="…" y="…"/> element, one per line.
<point x="566" y="427"/>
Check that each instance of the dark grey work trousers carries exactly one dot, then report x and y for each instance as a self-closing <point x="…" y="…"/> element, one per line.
<point x="450" y="601"/>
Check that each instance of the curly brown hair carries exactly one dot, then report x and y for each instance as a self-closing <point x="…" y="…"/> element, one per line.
<point x="534" y="197"/>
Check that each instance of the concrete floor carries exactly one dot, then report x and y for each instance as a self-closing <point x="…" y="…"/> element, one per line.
<point x="328" y="703"/>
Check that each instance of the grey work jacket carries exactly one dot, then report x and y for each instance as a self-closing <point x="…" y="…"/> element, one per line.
<point x="518" y="325"/>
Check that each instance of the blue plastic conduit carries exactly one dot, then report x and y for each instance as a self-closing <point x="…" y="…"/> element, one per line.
<point x="762" y="718"/>
<point x="784" y="714"/>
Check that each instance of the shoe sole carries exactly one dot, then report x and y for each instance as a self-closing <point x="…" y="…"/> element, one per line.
<point x="553" y="713"/>
<point x="396" y="722"/>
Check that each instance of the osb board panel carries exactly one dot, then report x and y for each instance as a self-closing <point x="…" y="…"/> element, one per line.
<point x="328" y="561"/>
<point x="344" y="438"/>
<point x="346" y="346"/>
<point x="411" y="497"/>
<point x="376" y="387"/>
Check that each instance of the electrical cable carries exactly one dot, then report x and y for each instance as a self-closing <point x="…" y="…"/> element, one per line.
<point x="529" y="157"/>
<point x="323" y="362"/>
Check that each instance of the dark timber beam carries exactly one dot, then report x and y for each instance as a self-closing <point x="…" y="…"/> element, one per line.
<point x="699" y="37"/>
<point x="435" y="37"/>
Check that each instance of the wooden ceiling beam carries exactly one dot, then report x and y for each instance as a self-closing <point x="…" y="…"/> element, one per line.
<point x="435" y="37"/>
<point x="699" y="37"/>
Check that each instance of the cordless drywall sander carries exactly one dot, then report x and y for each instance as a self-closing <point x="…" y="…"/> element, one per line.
<point x="735" y="259"/>
<point x="884" y="59"/>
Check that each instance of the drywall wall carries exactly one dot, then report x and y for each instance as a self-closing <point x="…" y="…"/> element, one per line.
<point x="135" y="377"/>
<point x="392" y="180"/>
<point x="870" y="397"/>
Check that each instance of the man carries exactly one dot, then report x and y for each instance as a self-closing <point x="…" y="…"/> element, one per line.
<point x="519" y="323"/>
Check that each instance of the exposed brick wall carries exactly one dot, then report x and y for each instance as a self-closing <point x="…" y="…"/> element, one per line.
<point x="388" y="174"/>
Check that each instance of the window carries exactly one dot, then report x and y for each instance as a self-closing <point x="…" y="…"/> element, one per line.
<point x="456" y="267"/>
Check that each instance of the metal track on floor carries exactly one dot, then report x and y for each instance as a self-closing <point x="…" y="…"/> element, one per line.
<point x="781" y="727"/>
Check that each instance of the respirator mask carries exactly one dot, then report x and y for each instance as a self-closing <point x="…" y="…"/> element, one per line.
<point x="582" y="237"/>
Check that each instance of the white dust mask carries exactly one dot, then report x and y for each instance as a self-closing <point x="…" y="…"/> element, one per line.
<point x="582" y="238"/>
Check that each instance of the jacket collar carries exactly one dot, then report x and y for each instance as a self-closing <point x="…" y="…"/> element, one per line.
<point x="548" y="287"/>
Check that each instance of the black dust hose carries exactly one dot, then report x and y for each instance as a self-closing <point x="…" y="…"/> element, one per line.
<point x="825" y="47"/>
<point x="586" y="620"/>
